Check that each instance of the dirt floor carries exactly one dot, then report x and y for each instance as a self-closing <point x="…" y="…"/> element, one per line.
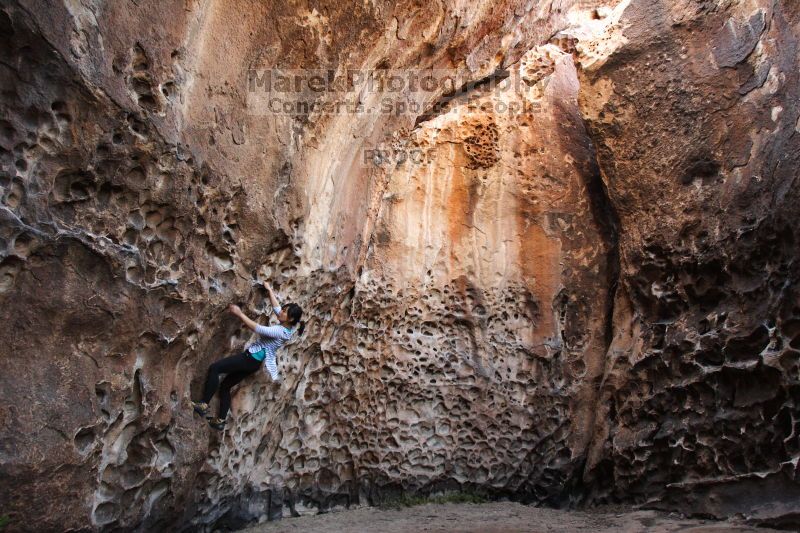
<point x="499" y="517"/>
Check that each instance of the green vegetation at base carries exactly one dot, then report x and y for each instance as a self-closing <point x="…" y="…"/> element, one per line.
<point x="410" y="500"/>
<point x="4" y="520"/>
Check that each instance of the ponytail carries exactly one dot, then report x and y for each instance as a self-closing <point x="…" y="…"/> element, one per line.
<point x="295" y="313"/>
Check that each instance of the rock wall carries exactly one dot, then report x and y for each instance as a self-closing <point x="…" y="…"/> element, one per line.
<point x="696" y="129"/>
<point x="591" y="300"/>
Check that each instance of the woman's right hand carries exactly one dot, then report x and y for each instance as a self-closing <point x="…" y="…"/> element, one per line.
<point x="235" y="309"/>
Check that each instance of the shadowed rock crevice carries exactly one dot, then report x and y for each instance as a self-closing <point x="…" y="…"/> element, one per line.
<point x="607" y="220"/>
<point x="460" y="92"/>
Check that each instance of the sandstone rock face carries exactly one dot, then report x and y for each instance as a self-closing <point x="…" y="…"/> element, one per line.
<point x="588" y="299"/>
<point x="696" y="132"/>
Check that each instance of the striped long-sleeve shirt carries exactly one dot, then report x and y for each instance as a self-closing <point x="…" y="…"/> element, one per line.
<point x="270" y="339"/>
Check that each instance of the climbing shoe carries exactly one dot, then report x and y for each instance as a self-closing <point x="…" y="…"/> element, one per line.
<point x="217" y="423"/>
<point x="201" y="408"/>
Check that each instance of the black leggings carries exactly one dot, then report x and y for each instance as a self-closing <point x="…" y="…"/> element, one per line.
<point x="237" y="367"/>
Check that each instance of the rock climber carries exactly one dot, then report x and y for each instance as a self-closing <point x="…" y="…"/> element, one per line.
<point x="238" y="367"/>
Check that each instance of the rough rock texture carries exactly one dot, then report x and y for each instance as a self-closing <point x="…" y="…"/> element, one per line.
<point x="696" y="127"/>
<point x="593" y="300"/>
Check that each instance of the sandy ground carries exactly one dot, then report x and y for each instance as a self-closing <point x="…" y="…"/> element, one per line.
<point x="500" y="517"/>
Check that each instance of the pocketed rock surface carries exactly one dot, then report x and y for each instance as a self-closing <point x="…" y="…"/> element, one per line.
<point x="590" y="300"/>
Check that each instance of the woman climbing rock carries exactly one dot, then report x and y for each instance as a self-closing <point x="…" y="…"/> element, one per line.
<point x="238" y="367"/>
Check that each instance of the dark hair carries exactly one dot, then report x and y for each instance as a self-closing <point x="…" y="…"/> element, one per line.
<point x="295" y="313"/>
